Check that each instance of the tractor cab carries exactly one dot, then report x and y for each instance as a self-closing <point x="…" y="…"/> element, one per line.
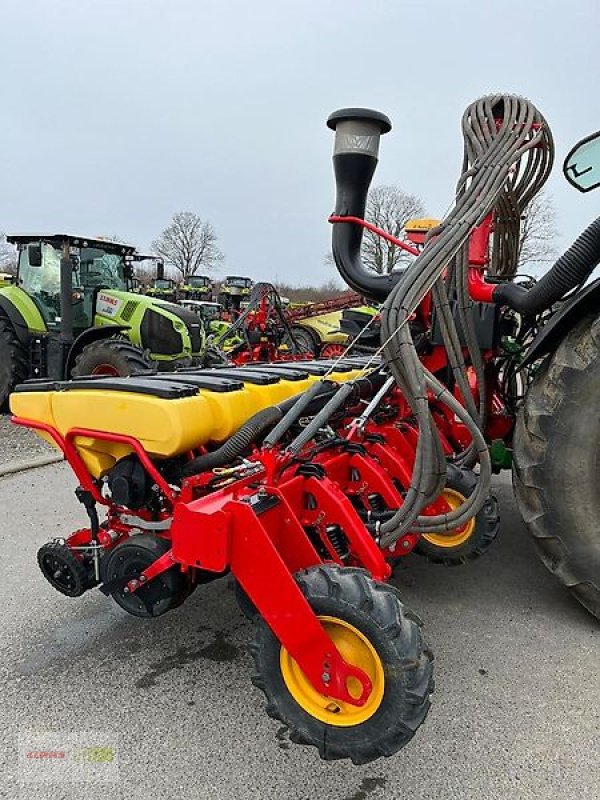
<point x="72" y="311"/>
<point x="234" y="289"/>
<point x="196" y="287"/>
<point x="94" y="264"/>
<point x="234" y="283"/>
<point x="164" y="288"/>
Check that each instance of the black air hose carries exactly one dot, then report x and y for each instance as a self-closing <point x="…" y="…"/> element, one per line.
<point x="241" y="440"/>
<point x="572" y="269"/>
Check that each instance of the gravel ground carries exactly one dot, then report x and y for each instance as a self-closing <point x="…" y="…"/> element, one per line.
<point x="516" y="712"/>
<point x="19" y="444"/>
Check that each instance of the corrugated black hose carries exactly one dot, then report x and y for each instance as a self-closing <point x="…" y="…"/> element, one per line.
<point x="237" y="444"/>
<point x="572" y="269"/>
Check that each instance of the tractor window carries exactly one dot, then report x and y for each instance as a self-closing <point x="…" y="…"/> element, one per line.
<point x="211" y="312"/>
<point x="43" y="283"/>
<point x="240" y="283"/>
<point x="98" y="269"/>
<point x="197" y="282"/>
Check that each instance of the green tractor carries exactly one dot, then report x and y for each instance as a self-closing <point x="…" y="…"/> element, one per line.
<point x="162" y="288"/>
<point x="196" y="287"/>
<point x="71" y="312"/>
<point x="234" y="290"/>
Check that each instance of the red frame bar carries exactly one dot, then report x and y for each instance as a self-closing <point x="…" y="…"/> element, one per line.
<point x="232" y="534"/>
<point x="69" y="449"/>
<point x="374" y="229"/>
<point x="479" y="289"/>
<point x="120" y="438"/>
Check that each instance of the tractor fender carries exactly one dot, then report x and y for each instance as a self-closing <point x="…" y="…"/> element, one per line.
<point x="85" y="338"/>
<point x="586" y="301"/>
<point x="16" y="319"/>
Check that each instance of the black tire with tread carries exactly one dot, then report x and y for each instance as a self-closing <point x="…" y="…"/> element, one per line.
<point x="487" y="524"/>
<point x="375" y="609"/>
<point x="77" y="577"/>
<point x="555" y="477"/>
<point x="127" y="358"/>
<point x="14" y="360"/>
<point x="306" y="339"/>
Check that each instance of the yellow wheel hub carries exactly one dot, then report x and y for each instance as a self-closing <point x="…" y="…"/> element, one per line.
<point x="458" y="536"/>
<point x="355" y="649"/>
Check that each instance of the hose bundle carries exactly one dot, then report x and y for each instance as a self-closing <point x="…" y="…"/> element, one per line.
<point x="508" y="155"/>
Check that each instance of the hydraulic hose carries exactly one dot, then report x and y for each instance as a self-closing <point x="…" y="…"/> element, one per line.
<point x="314" y="399"/>
<point x="572" y="269"/>
<point x="341" y="397"/>
<point x="237" y="444"/>
<point x="328" y="396"/>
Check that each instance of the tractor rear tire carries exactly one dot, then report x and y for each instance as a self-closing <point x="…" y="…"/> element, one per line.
<point x="370" y="627"/>
<point x="111" y="357"/>
<point x="14" y="367"/>
<point x="555" y="472"/>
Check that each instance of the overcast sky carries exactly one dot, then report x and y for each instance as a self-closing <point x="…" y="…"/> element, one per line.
<point x="117" y="113"/>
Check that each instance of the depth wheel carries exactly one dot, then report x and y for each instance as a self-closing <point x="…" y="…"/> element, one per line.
<point x="127" y="561"/>
<point x="61" y="568"/>
<point x="555" y="474"/>
<point x="455" y="547"/>
<point x="372" y="631"/>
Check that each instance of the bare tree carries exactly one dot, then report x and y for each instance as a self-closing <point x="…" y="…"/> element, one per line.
<point x="389" y="208"/>
<point x="8" y="256"/>
<point x="189" y="244"/>
<point x="538" y="233"/>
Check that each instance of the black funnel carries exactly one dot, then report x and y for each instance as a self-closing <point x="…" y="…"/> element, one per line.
<point x="355" y="153"/>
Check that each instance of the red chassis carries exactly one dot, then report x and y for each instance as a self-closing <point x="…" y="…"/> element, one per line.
<point x="267" y="526"/>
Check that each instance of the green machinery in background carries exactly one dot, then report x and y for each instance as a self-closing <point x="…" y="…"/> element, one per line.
<point x="72" y="312"/>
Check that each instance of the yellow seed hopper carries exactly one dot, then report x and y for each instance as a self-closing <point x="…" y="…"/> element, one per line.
<point x="168" y="413"/>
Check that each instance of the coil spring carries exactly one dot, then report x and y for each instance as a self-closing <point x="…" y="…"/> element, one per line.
<point x="339" y="541"/>
<point x="376" y="502"/>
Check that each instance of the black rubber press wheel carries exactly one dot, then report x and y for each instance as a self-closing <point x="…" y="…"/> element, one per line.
<point x="61" y="568"/>
<point x="127" y="561"/>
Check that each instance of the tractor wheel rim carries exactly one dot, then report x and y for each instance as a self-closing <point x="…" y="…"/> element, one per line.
<point x="458" y="536"/>
<point x="356" y="650"/>
<point x="106" y="369"/>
